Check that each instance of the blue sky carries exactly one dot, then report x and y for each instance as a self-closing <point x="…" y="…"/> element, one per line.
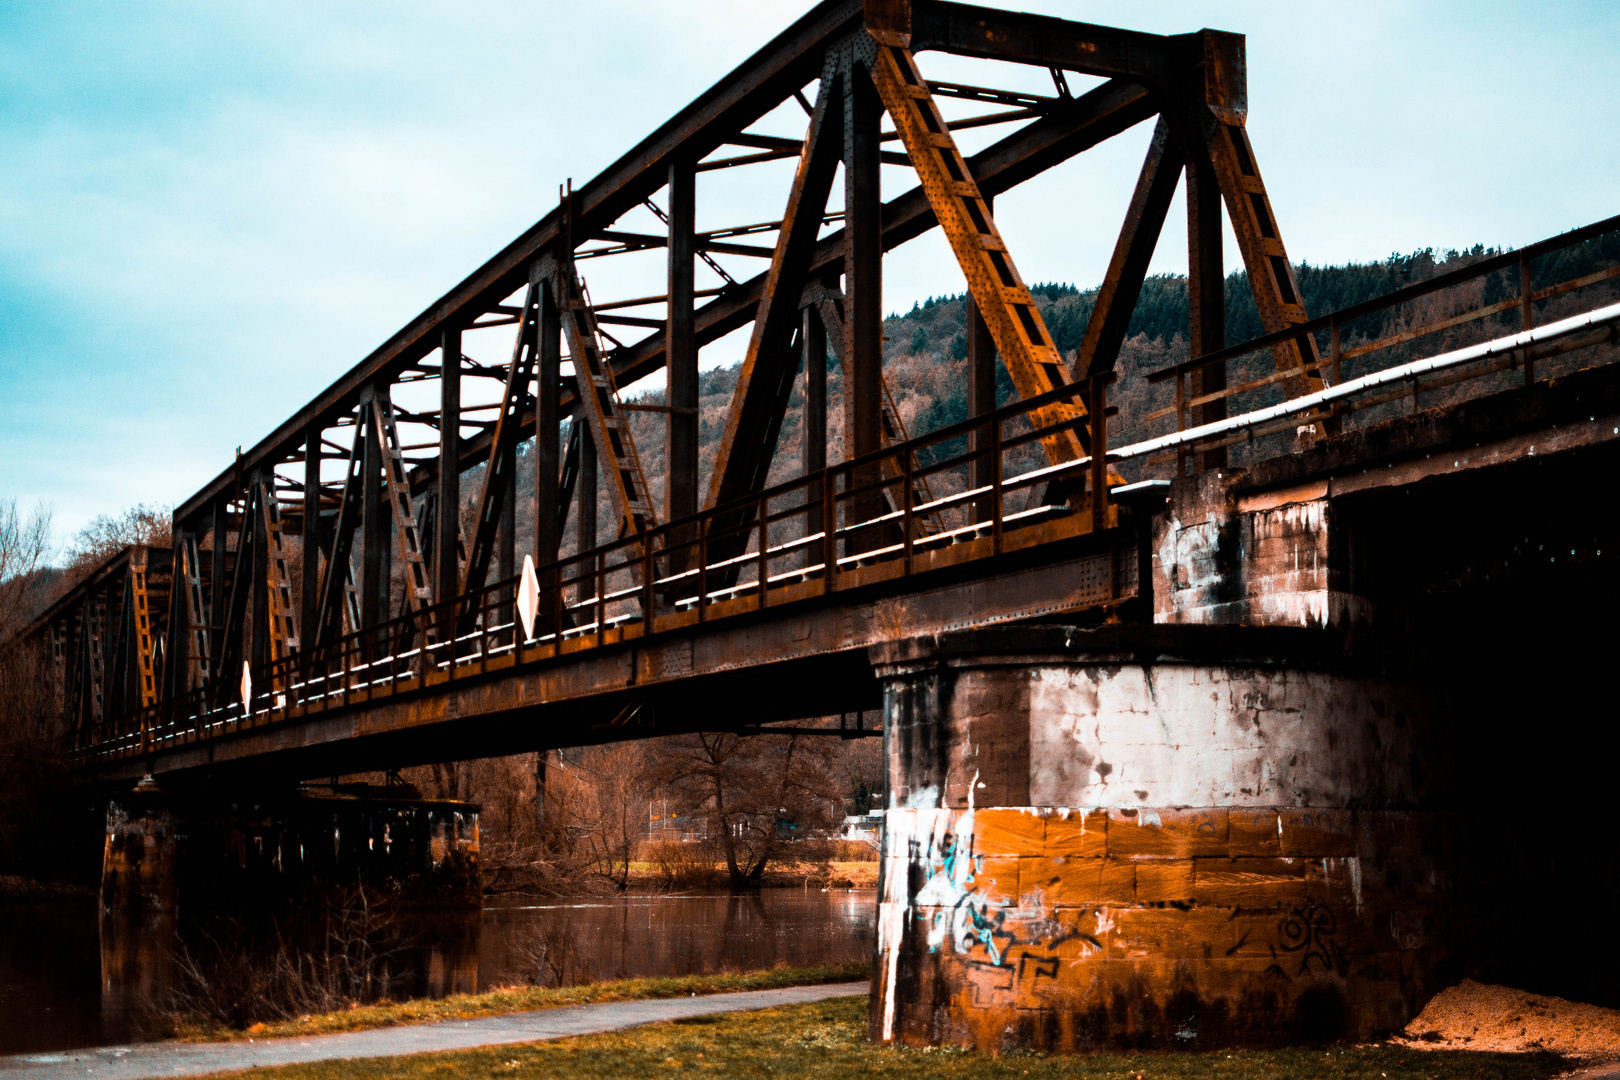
<point x="208" y="211"/>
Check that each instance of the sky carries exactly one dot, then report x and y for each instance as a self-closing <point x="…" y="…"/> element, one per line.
<point x="210" y="211"/>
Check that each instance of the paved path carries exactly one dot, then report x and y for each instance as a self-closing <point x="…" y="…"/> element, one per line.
<point x="189" y="1059"/>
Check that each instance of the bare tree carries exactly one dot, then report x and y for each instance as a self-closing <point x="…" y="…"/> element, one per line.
<point x="29" y="750"/>
<point x="750" y="790"/>
<point x="25" y="545"/>
<point x="107" y="536"/>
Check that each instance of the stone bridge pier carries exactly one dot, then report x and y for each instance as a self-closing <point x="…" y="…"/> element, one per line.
<point x="207" y="850"/>
<point x="1155" y="836"/>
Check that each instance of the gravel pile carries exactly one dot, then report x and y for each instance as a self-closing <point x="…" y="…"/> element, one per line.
<point x="1476" y="1016"/>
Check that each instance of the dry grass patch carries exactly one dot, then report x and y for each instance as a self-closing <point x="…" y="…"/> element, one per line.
<point x="525" y="999"/>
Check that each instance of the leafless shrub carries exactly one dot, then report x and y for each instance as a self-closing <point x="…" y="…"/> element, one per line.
<point x="683" y="864"/>
<point x="238" y="974"/>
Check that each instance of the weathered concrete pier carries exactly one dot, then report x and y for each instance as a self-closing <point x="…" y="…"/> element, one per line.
<point x="1155" y="837"/>
<point x="1265" y="746"/>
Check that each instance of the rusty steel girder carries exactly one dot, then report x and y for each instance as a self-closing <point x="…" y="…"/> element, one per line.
<point x="383" y="541"/>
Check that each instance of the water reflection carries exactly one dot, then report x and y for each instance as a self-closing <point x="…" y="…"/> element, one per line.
<point x="71" y="978"/>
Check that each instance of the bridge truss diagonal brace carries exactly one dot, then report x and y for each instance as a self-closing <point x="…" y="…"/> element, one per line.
<point x="1217" y="115"/>
<point x="1020" y="334"/>
<point x="340" y="602"/>
<point x="765" y="383"/>
<point x="234" y="632"/>
<point x="192" y="611"/>
<point x="281" y="619"/>
<point x="397" y="490"/>
<point x="142" y="642"/>
<point x="598" y="397"/>
<point x="130" y="644"/>
<point x="1127" y="269"/>
<point x="499" y="486"/>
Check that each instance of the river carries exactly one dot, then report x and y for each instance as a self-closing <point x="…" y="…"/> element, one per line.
<point x="68" y="979"/>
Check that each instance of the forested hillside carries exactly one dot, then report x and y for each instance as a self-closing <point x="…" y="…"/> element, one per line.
<point x="925" y="348"/>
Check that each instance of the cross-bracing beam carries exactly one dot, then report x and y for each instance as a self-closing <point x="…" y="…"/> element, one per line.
<point x="361" y="538"/>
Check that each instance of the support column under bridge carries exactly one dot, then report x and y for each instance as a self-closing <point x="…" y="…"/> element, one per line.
<point x="1157" y="836"/>
<point x="209" y="851"/>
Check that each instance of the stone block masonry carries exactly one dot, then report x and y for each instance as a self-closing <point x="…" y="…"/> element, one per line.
<point x="1156" y="837"/>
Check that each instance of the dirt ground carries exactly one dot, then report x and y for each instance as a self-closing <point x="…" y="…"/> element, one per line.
<point x="1476" y="1016"/>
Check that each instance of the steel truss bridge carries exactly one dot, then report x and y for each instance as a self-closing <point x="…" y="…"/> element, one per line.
<point x="352" y="593"/>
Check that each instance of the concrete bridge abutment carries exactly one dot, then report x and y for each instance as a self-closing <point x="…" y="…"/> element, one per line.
<point x="1170" y="837"/>
<point x="198" y="851"/>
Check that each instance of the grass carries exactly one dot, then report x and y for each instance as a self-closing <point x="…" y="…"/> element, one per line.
<point x="524" y="999"/>
<point x="826" y="1041"/>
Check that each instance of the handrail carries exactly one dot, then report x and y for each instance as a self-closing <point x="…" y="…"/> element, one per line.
<point x="1604" y="316"/>
<point x="376" y="660"/>
<point x="1378" y="303"/>
<point x="380" y="660"/>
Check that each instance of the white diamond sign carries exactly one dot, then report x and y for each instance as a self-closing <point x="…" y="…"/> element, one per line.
<point x="528" y="597"/>
<point x="247" y="689"/>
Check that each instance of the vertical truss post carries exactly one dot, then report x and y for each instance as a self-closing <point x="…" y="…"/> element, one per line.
<point x="680" y="346"/>
<point x="506" y="538"/>
<point x="813" y="338"/>
<point x="830" y="305"/>
<point x="217" y="578"/>
<point x="262" y="631"/>
<point x="549" y="503"/>
<point x="115" y="699"/>
<point x="59" y="660"/>
<point x="309" y="585"/>
<point x="547" y="430"/>
<point x="192" y="615"/>
<point x="1206" y="296"/>
<point x="94" y="625"/>
<point x="236" y="638"/>
<point x="447" y="572"/>
<point x="981" y="399"/>
<point x="863" y="289"/>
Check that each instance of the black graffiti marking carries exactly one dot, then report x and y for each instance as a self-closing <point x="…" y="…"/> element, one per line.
<point x="1310" y="931"/>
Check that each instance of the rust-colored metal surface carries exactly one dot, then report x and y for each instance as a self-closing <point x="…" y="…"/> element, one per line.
<point x="321" y="589"/>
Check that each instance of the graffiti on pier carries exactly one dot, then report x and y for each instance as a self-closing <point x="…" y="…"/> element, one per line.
<point x="1006" y="948"/>
<point x="1310" y="932"/>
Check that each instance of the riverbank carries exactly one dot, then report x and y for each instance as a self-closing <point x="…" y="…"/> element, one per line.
<point x="517" y="999"/>
<point x="826" y="1040"/>
<point x="861" y="874"/>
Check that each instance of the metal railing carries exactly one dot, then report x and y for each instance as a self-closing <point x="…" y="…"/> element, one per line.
<point x="851" y="524"/>
<point x="855" y="523"/>
<point x="1339" y="344"/>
